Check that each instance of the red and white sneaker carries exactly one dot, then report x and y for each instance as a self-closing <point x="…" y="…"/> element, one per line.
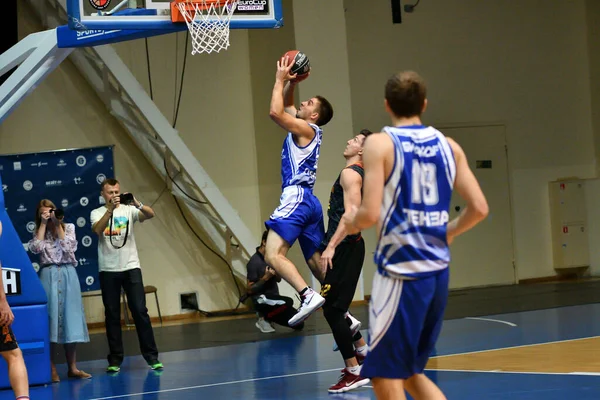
<point x="348" y="381"/>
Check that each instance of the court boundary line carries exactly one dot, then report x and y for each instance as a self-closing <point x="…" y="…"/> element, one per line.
<point x="493" y="320"/>
<point x="514" y="347"/>
<point x="497" y="371"/>
<point x="121" y="396"/>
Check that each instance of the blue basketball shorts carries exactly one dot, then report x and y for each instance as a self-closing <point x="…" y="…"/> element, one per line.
<point x="405" y="320"/>
<point x="299" y="217"/>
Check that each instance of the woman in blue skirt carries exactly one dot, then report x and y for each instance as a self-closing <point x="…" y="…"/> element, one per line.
<point x="56" y="244"/>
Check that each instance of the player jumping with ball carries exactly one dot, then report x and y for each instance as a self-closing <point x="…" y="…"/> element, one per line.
<point x="299" y="215"/>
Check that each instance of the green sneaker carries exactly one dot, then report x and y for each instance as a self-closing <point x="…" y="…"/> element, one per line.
<point x="156" y="365"/>
<point x="113" y="368"/>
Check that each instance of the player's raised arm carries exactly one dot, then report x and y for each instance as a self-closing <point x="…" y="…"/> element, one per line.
<point x="288" y="98"/>
<point x="277" y="112"/>
<point x="467" y="187"/>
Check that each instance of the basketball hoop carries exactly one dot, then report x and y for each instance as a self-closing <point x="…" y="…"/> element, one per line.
<point x="207" y="20"/>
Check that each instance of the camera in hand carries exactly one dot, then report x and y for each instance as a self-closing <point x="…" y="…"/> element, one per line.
<point x="126" y="198"/>
<point x="58" y="213"/>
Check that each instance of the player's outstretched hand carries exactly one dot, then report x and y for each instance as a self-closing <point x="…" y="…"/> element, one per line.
<point x="283" y="69"/>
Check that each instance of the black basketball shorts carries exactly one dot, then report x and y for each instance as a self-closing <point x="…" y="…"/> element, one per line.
<point x="8" y="341"/>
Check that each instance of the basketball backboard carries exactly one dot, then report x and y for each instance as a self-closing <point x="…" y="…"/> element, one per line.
<point x="156" y="14"/>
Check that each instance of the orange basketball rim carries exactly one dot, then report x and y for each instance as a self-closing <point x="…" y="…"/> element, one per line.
<point x="192" y="5"/>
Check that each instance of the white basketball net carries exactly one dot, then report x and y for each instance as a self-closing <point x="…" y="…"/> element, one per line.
<point x="208" y="23"/>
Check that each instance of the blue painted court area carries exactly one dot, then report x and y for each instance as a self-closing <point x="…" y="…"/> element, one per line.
<point x="304" y="367"/>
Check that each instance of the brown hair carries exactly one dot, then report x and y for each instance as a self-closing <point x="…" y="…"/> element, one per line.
<point x="325" y="111"/>
<point x="365" y="133"/>
<point x="405" y="93"/>
<point x="38" y="217"/>
<point x="109" y="182"/>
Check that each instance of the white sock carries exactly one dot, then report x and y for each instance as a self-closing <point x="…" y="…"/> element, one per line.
<point x="363" y="350"/>
<point x="347" y="314"/>
<point x="354" y="370"/>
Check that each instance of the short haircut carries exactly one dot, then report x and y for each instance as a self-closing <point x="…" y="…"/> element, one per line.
<point x="325" y="111"/>
<point x="405" y="93"/>
<point x="109" y="182"/>
<point x="365" y="133"/>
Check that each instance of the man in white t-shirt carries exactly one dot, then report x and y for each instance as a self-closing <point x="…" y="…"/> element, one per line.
<point x="119" y="266"/>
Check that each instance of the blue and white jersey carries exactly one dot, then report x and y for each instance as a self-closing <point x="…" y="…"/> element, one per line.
<point x="299" y="164"/>
<point x="416" y="200"/>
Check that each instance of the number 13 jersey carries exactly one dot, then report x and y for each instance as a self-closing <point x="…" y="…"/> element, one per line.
<point x="416" y="199"/>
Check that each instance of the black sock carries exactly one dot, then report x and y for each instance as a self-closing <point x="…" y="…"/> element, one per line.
<point x="304" y="290"/>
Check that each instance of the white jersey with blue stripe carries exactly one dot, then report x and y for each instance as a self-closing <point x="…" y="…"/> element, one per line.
<point x="299" y="164"/>
<point x="416" y="199"/>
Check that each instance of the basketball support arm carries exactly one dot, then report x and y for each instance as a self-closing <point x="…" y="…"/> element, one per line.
<point x="38" y="55"/>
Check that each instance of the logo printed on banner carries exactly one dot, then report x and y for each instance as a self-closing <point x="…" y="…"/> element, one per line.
<point x="31" y="226"/>
<point x="55" y="182"/>
<point x="69" y="179"/>
<point x="89" y="280"/>
<point x="36" y="266"/>
<point x="100" y="178"/>
<point x="86" y="241"/>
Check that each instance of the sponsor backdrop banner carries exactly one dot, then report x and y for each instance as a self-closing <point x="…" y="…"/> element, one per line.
<point x="71" y="179"/>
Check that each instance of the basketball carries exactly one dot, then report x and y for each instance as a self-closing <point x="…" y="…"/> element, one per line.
<point x="301" y="65"/>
